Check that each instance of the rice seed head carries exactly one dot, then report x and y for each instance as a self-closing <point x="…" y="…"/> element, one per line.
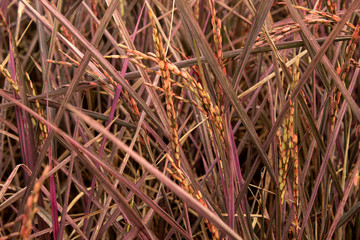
<point x="31" y="206"/>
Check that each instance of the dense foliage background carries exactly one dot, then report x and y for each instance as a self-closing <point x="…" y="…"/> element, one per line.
<point x="179" y="119"/>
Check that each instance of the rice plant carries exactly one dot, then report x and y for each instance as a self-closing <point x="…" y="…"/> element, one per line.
<point x="158" y="119"/>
